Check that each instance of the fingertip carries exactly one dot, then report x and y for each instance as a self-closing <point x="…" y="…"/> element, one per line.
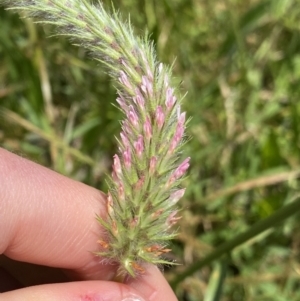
<point x="76" y="291"/>
<point x="153" y="285"/>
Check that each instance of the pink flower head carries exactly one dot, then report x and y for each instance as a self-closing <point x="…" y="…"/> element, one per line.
<point x="172" y="219"/>
<point x="139" y="101"/>
<point x="182" y="168"/>
<point x="124" y="139"/>
<point x="142" y="188"/>
<point x="117" y="169"/>
<point x="124" y="80"/>
<point x="179" y="172"/>
<point x="153" y="163"/>
<point x="181" y="118"/>
<point x="147" y="86"/>
<point x="132" y="116"/>
<point x="170" y="98"/>
<point x="121" y="101"/>
<point x="127" y="158"/>
<point x="148" y="128"/>
<point x="176" y="196"/>
<point x="177" y="136"/>
<point x="117" y="166"/>
<point x="126" y="127"/>
<point x="159" y="117"/>
<point x="139" y="146"/>
<point x="150" y="74"/>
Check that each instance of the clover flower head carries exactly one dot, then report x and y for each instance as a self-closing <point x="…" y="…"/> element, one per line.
<point x="144" y="186"/>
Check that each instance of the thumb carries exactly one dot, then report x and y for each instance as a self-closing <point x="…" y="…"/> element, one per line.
<point x="75" y="291"/>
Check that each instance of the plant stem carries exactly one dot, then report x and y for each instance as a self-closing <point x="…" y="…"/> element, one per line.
<point x="261" y="226"/>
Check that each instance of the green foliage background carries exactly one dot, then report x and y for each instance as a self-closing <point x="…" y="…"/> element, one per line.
<point x="239" y="60"/>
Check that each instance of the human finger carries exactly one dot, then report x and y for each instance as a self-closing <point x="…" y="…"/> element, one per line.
<point x="76" y="291"/>
<point x="48" y="222"/>
<point x="49" y="219"/>
<point x="153" y="285"/>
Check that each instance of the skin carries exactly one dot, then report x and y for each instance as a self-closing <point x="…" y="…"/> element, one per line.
<point x="49" y="220"/>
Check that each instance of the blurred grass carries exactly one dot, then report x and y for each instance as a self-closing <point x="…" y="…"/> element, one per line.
<point x="239" y="60"/>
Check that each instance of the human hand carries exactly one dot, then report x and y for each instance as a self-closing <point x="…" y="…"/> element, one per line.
<point x="48" y="219"/>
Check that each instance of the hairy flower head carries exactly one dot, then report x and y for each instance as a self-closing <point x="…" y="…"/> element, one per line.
<point x="146" y="172"/>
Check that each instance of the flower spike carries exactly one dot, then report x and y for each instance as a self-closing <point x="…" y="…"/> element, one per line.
<point x="143" y="188"/>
